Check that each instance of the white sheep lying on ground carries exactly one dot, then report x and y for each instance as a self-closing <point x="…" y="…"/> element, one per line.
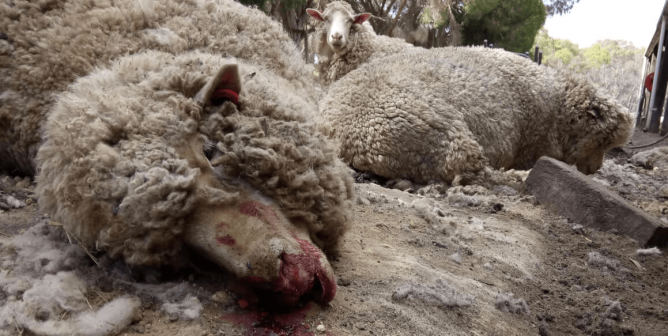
<point x="345" y="40"/>
<point x="48" y="44"/>
<point x="448" y="113"/>
<point x="166" y="138"/>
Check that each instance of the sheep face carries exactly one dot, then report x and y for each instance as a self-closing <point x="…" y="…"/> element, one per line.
<point x="251" y="236"/>
<point x="338" y="21"/>
<point x="594" y="125"/>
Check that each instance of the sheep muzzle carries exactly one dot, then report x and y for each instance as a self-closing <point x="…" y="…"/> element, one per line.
<point x="261" y="247"/>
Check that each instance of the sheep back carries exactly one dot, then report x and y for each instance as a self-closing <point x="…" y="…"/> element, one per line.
<point x="454" y="110"/>
<point x="49" y="44"/>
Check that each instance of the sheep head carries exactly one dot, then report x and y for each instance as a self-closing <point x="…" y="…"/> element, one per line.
<point x="593" y="125"/>
<point x="338" y="19"/>
<point x="250" y="236"/>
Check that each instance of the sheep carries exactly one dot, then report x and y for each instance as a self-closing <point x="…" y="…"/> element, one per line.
<point x="452" y="113"/>
<point x="195" y="133"/>
<point x="345" y="40"/>
<point x="46" y="45"/>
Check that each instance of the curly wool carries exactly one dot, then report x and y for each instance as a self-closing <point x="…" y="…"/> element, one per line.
<point x="114" y="171"/>
<point x="50" y="43"/>
<point x="366" y="47"/>
<point x="450" y="112"/>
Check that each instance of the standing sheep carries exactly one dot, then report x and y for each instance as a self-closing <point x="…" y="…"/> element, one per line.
<point x="448" y="113"/>
<point x="166" y="139"/>
<point x="345" y="40"/>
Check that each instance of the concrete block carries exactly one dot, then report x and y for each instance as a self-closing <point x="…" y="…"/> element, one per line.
<point x="566" y="191"/>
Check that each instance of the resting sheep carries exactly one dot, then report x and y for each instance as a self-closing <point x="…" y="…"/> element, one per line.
<point x="183" y="144"/>
<point x="345" y="40"/>
<point x="46" y="45"/>
<point x="446" y="114"/>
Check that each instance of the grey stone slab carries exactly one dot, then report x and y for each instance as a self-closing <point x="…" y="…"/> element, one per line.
<point x="566" y="191"/>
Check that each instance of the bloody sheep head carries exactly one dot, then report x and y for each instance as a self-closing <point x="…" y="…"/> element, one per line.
<point x="338" y="19"/>
<point x="251" y="237"/>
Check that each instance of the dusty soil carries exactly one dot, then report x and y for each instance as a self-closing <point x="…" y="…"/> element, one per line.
<point x="441" y="264"/>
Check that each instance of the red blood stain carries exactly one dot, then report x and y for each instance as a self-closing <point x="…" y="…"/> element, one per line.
<point x="243" y="303"/>
<point x="227" y="240"/>
<point x="298" y="271"/>
<point x="266" y="324"/>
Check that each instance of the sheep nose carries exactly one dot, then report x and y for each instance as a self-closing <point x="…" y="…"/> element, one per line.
<point x="337" y="36"/>
<point x="300" y="274"/>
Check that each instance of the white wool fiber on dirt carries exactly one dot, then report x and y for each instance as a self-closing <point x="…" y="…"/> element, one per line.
<point x="39" y="252"/>
<point x="13" y="202"/>
<point x="39" y="292"/>
<point x="596" y="259"/>
<point x="56" y="294"/>
<point x="108" y="320"/>
<point x="456" y="257"/>
<point x="614" y="310"/>
<point x="506" y="303"/>
<point x="649" y="251"/>
<point x="611" y="170"/>
<point x="188" y="309"/>
<point x="441" y="294"/>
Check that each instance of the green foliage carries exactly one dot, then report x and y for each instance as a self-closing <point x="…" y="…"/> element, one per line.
<point x="558" y="51"/>
<point x="614" y="66"/>
<point x="595" y="56"/>
<point x="510" y="24"/>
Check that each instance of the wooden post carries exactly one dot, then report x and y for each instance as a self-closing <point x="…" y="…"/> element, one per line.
<point x="641" y="98"/>
<point x="535" y="55"/>
<point x="540" y="57"/>
<point x="659" y="84"/>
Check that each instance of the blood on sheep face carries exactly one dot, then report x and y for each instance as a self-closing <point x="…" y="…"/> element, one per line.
<point x="251" y="237"/>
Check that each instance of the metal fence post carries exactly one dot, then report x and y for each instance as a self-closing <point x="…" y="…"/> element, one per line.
<point x="540" y="57"/>
<point x="659" y="84"/>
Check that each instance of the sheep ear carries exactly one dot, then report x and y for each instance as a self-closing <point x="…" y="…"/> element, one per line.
<point x="595" y="113"/>
<point x="362" y="17"/>
<point x="315" y="14"/>
<point x="224" y="86"/>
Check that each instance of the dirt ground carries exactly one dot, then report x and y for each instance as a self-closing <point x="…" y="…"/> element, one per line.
<point x="462" y="261"/>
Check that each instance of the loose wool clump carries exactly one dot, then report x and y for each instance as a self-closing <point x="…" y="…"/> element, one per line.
<point x="48" y="44"/>
<point x="654" y="158"/>
<point x="363" y="45"/>
<point x="448" y="113"/>
<point x="38" y="289"/>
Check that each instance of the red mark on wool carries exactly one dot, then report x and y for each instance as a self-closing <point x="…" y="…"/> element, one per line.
<point x="224" y="240"/>
<point x="266" y="324"/>
<point x="227" y="240"/>
<point x="243" y="303"/>
<point x="259" y="210"/>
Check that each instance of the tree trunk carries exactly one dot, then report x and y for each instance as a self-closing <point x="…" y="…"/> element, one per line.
<point x="396" y="18"/>
<point x="455" y="27"/>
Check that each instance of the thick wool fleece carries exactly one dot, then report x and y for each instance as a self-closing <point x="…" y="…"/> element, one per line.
<point x="46" y="45"/>
<point x="363" y="46"/>
<point x="114" y="171"/>
<point x="453" y="111"/>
